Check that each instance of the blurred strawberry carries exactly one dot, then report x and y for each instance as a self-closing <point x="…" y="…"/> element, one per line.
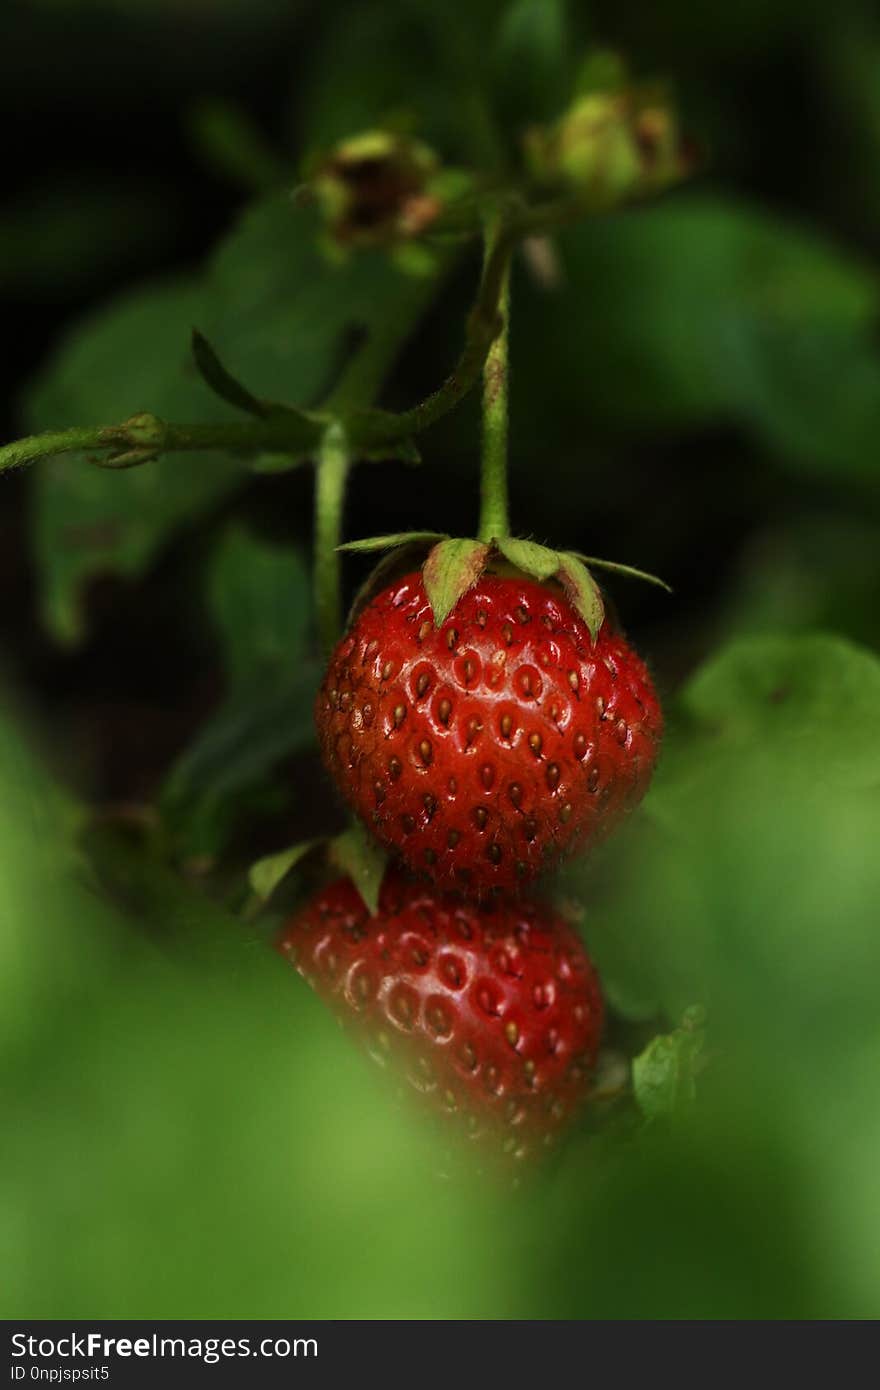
<point x="492" y="1013"/>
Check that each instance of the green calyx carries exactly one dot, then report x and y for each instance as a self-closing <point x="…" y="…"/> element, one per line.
<point x="266" y="874"/>
<point x="454" y="565"/>
<point x="353" y="852"/>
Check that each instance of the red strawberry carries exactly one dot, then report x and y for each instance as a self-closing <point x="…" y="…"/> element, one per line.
<point x="493" y="1013"/>
<point x="486" y="749"/>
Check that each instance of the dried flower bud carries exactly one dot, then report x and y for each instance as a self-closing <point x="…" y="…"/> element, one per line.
<point x="377" y="189"/>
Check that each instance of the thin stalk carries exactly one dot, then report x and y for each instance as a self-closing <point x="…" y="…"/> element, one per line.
<point x="334" y="462"/>
<point x="376" y="427"/>
<point x="284" y="432"/>
<point x="39" y="446"/>
<point x="494" y="523"/>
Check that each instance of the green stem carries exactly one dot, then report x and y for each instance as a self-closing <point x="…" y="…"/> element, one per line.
<point x="38" y="446"/>
<point x="287" y="431"/>
<point x="298" y="432"/>
<point x="494" y="523"/>
<point x="334" y="462"/>
<point x="378" y="427"/>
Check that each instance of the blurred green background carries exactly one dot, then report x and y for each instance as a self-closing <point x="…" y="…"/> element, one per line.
<point x="186" y="1133"/>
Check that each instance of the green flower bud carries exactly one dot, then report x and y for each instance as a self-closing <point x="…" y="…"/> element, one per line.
<point x="613" y="143"/>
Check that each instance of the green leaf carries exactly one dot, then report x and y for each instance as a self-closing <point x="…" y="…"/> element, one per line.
<point x="224" y="385"/>
<point x="664" y="1073"/>
<point x="282" y="313"/>
<point x="781" y="697"/>
<point x="376" y="543"/>
<point x="582" y="590"/>
<point x="453" y="567"/>
<point x="53" y="922"/>
<point x="234" y="1058"/>
<point x="536" y="560"/>
<point x="357" y="854"/>
<point x="813" y="570"/>
<point x="259" y="600"/>
<point x="258" y="595"/>
<point x="265" y="875"/>
<point x="629" y="571"/>
<point x="705" y="310"/>
<point x="87" y="520"/>
<point x="225" y="774"/>
<point x="749" y="877"/>
<point x="268" y="301"/>
<point x="423" y="63"/>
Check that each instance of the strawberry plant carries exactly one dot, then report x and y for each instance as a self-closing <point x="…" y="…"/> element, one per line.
<point x="311" y="663"/>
